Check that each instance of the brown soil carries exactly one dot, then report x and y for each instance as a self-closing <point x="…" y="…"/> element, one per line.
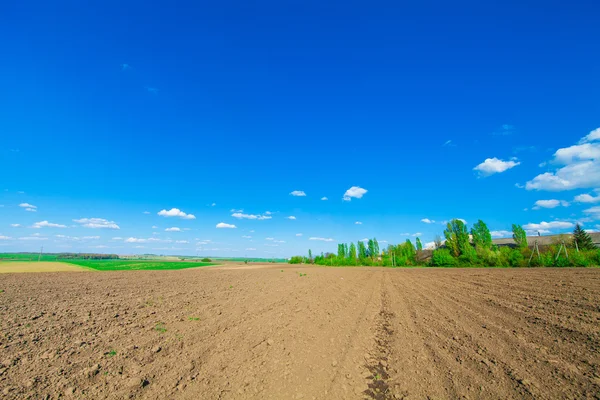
<point x="338" y="333"/>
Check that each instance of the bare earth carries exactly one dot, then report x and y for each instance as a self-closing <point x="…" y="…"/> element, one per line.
<point x="337" y="333"/>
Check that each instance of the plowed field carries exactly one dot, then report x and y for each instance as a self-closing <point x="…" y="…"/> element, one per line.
<point x="301" y="333"/>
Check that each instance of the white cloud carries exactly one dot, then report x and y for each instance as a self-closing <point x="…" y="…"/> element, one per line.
<point x="233" y="210"/>
<point x="181" y="241"/>
<point x="5" y="237"/>
<point x="117" y="238"/>
<point x="547" y="226"/>
<point x="416" y="234"/>
<point x="146" y="212"/>
<point x="354" y="192"/>
<point x="279" y="241"/>
<point x="100" y="246"/>
<point x="135" y="240"/>
<point x="494" y="166"/>
<point x="97" y="223"/>
<point x="553" y="203"/>
<point x="91" y="237"/>
<point x="176" y="212"/>
<point x="428" y="221"/>
<point x="154" y="227"/>
<point x="213" y="204"/>
<point x="586" y="198"/>
<point x="501" y="234"/>
<point x="324" y="198"/>
<point x="429" y="246"/>
<point x="291" y="217"/>
<point x="33" y="238"/>
<point x="595" y="211"/>
<point x="27" y="205"/>
<point x="321" y="239"/>
<point x="298" y="234"/>
<point x="358" y="223"/>
<point x="15" y="225"/>
<point x="269" y="238"/>
<point x="247" y="237"/>
<point x="224" y="225"/>
<point x="250" y="216"/>
<point x="173" y="229"/>
<point x="364" y="240"/>
<point x="250" y="249"/>
<point x="591" y="137"/>
<point x="268" y="213"/>
<point x="447" y="143"/>
<point x="579" y="167"/>
<point x="31" y="209"/>
<point x="298" y="193"/>
<point x="46" y="224"/>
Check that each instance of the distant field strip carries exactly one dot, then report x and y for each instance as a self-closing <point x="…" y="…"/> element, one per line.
<point x="29" y="266"/>
<point x="121" y="265"/>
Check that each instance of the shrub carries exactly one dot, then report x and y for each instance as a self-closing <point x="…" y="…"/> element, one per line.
<point x="205" y="259"/>
<point x="296" y="260"/>
<point x="580" y="259"/>
<point x="442" y="258"/>
<point x="515" y="258"/>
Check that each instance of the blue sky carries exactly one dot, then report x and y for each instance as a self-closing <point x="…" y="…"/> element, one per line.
<point x="108" y="111"/>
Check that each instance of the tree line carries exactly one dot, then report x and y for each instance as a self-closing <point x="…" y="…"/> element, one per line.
<point x="464" y="248"/>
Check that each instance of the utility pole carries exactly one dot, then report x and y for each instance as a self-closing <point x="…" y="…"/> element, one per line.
<point x="41" y="251"/>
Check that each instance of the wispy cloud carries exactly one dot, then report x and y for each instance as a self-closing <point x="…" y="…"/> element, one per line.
<point x="28" y="207"/>
<point x="495" y="166"/>
<point x="501" y="234"/>
<point x="240" y="215"/>
<point x="291" y="217"/>
<point x="358" y="223"/>
<point x="152" y="90"/>
<point x="553" y="203"/>
<point x="5" y="237"/>
<point x="146" y="212"/>
<point x="173" y="229"/>
<point x="97" y="223"/>
<point x="222" y="225"/>
<point x="321" y="239"/>
<point x="247" y="237"/>
<point x="125" y="67"/>
<point x="505" y="130"/>
<point x="33" y="238"/>
<point x="298" y="234"/>
<point x="176" y="212"/>
<point x="355" y="192"/>
<point x="324" y="198"/>
<point x="46" y="224"/>
<point x="428" y="221"/>
<point x="15" y="225"/>
<point x="298" y="193"/>
<point x="448" y="143"/>
<point x="250" y="249"/>
<point x="547" y="226"/>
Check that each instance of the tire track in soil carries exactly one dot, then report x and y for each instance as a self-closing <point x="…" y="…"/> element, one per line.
<point x="379" y="388"/>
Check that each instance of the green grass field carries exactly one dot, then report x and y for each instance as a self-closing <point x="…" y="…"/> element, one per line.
<point x="27" y="257"/>
<point x="122" y="265"/>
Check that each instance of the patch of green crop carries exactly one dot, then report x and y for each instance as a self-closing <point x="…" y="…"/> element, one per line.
<point x="125" y="265"/>
<point x="160" y="328"/>
<point x="111" y="353"/>
<point x="194" y="318"/>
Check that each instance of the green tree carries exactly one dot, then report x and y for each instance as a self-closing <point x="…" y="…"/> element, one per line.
<point x="583" y="239"/>
<point x="352" y="252"/>
<point x="310" y="255"/>
<point x="457" y="238"/>
<point x="362" y="250"/>
<point x="519" y="236"/>
<point x="375" y="247"/>
<point x="371" y="248"/>
<point x="482" y="238"/>
<point x="341" y="253"/>
<point x="419" y="244"/>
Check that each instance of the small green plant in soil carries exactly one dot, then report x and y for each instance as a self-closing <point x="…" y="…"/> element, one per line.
<point x="194" y="318"/>
<point x="111" y="353"/>
<point x="160" y="328"/>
